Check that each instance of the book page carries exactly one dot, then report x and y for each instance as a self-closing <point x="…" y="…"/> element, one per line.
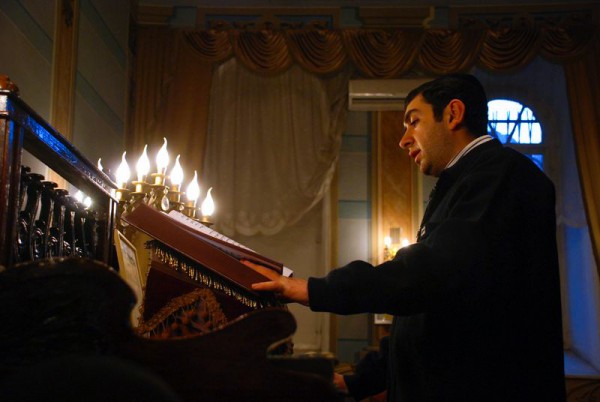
<point x="191" y="223"/>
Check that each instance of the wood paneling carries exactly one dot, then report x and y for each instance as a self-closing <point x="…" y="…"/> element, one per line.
<point x="393" y="182"/>
<point x="65" y="66"/>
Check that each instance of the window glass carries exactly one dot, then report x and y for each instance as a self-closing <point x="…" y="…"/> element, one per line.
<point x="514" y="124"/>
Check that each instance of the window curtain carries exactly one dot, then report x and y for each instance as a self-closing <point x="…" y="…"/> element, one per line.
<point x="272" y="145"/>
<point x="390" y="53"/>
<point x="169" y="99"/>
<point x="583" y="84"/>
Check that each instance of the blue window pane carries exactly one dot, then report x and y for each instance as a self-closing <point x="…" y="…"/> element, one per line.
<point x="536" y="133"/>
<point x="513" y="123"/>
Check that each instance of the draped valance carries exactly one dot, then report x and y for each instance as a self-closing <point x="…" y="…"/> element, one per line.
<point x="378" y="53"/>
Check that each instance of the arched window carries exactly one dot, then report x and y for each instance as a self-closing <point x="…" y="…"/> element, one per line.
<point x="515" y="125"/>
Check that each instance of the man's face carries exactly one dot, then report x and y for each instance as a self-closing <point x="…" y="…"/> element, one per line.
<point x="427" y="141"/>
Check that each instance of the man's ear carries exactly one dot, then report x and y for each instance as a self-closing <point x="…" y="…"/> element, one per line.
<point x="456" y="113"/>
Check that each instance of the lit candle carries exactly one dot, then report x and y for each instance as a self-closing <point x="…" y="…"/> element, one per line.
<point x="176" y="175"/>
<point x="100" y="165"/>
<point x="208" y="205"/>
<point x="123" y="172"/>
<point x="162" y="160"/>
<point x="142" y="166"/>
<point x="193" y="191"/>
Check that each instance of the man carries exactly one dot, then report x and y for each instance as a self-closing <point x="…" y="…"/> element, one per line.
<point x="476" y="300"/>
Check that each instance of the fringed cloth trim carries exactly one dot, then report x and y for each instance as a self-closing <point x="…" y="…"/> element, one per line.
<point x="201" y="275"/>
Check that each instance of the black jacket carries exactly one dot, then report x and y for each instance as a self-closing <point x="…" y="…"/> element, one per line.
<point x="477" y="299"/>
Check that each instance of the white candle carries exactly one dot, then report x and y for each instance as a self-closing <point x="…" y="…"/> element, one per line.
<point x="208" y="205"/>
<point x="142" y="166"/>
<point x="193" y="191"/>
<point x="123" y="172"/>
<point x="162" y="160"/>
<point x="176" y="175"/>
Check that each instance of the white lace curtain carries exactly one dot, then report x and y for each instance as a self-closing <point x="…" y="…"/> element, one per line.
<point x="272" y="145"/>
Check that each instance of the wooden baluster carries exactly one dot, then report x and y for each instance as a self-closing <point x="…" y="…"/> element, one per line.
<point x="91" y="234"/>
<point x="44" y="223"/>
<point x="20" y="246"/>
<point x="57" y="230"/>
<point x="25" y="179"/>
<point x="32" y="235"/>
<point x="79" y="241"/>
<point x="69" y="246"/>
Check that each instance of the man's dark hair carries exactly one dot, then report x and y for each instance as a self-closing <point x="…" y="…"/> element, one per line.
<point x="439" y="92"/>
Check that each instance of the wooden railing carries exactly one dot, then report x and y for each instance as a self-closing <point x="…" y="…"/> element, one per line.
<point x="38" y="220"/>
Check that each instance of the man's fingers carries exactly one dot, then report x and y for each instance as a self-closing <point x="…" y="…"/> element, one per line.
<point x="265" y="286"/>
<point x="261" y="270"/>
<point x="278" y="284"/>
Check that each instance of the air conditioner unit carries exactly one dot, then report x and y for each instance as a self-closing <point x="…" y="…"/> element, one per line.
<point x="374" y="95"/>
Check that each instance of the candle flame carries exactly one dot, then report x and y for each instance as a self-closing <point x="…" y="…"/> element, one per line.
<point x="142" y="166"/>
<point x="208" y="205"/>
<point x="123" y="172"/>
<point x="162" y="158"/>
<point x="193" y="190"/>
<point x="177" y="173"/>
<point x="100" y="165"/>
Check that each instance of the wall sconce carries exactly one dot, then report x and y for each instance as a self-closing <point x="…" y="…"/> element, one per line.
<point x="393" y="242"/>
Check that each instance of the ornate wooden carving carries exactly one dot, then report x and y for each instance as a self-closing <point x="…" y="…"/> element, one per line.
<point x="8" y="85"/>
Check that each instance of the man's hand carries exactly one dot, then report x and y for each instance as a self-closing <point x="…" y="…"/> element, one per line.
<point x="340" y="383"/>
<point x="289" y="289"/>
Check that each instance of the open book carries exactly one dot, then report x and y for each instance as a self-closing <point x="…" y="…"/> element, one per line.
<point x="206" y="247"/>
<point x="194" y="224"/>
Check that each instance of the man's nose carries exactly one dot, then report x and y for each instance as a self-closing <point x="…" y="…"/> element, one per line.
<point x="405" y="140"/>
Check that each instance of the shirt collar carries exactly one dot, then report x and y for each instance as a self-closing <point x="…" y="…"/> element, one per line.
<point x="470" y="146"/>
